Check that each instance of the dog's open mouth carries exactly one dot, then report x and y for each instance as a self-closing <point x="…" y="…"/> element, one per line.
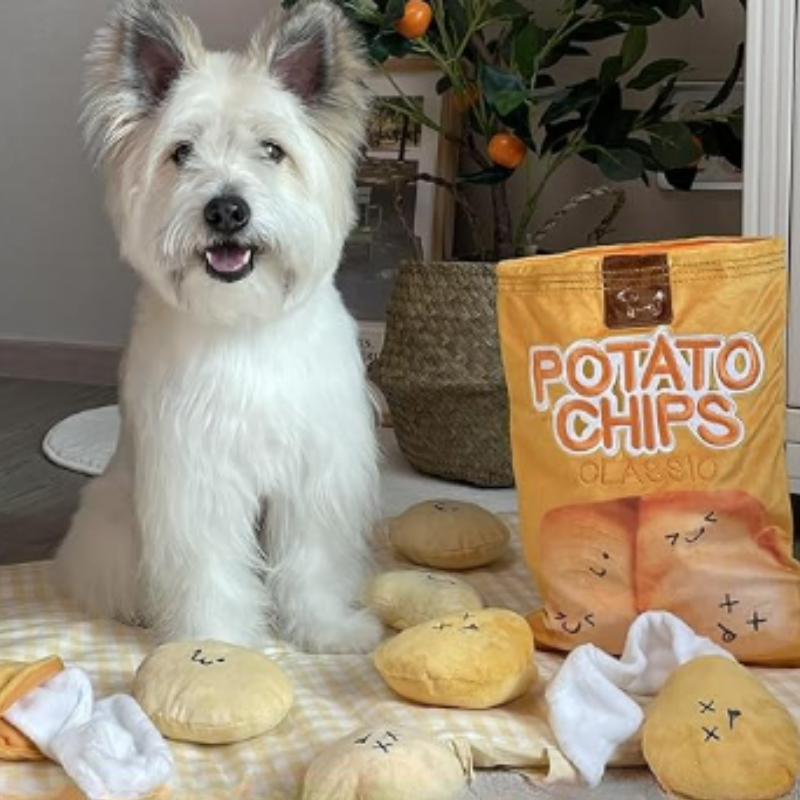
<point x="229" y="262"/>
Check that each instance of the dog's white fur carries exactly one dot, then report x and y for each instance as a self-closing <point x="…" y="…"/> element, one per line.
<point x="245" y="481"/>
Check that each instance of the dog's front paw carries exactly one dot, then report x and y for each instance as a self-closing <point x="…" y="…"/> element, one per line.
<point x="353" y="632"/>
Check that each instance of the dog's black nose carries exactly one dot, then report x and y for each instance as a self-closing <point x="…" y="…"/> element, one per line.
<point x="227" y="214"/>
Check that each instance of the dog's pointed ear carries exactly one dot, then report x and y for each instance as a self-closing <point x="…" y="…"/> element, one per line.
<point x="317" y="54"/>
<point x="133" y="63"/>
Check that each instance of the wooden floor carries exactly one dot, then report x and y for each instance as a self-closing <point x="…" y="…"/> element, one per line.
<point x="37" y="499"/>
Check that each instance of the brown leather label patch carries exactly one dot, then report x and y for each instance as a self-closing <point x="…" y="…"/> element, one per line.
<point x="637" y="291"/>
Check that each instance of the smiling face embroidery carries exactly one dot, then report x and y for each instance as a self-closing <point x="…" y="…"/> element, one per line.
<point x="197" y="658"/>
<point x="573" y="628"/>
<point x="602" y="571"/>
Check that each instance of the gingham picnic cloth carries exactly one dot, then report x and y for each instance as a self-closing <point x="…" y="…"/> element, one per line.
<point x="333" y="694"/>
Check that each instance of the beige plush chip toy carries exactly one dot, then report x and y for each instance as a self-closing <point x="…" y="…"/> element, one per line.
<point x="405" y="598"/>
<point x="715" y="731"/>
<point x="473" y="660"/>
<point x="448" y="534"/>
<point x="212" y="693"/>
<point x="389" y="763"/>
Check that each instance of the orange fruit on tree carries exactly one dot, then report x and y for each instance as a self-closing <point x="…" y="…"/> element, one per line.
<point x="416" y="19"/>
<point x="507" y="150"/>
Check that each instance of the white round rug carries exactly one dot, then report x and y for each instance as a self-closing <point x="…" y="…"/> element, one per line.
<point x="86" y="441"/>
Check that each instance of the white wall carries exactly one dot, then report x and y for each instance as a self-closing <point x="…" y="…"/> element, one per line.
<point x="60" y="278"/>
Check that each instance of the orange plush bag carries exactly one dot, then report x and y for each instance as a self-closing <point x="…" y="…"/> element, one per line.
<point x="647" y="392"/>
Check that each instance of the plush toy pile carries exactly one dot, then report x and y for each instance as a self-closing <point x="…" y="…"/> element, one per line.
<point x="712" y="730"/>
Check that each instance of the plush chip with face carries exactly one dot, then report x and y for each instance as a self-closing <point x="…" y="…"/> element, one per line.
<point x="389" y="763"/>
<point x="475" y="660"/>
<point x="211" y="692"/>
<point x="404" y="598"/>
<point x="713" y="559"/>
<point x="449" y="534"/>
<point x="587" y="554"/>
<point x="715" y="731"/>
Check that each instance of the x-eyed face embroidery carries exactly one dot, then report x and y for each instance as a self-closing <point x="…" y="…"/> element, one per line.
<point x="736" y="619"/>
<point x="383" y="741"/>
<point x="468" y="623"/>
<point x="715" y="732"/>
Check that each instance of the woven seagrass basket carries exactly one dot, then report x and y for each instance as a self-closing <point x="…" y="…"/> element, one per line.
<point x="441" y="372"/>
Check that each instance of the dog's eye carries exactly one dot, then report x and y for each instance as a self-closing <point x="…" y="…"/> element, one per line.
<point x="181" y="153"/>
<point x="274" y="152"/>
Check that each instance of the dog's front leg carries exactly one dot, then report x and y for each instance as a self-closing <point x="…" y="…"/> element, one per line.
<point x="201" y="570"/>
<point x="319" y="578"/>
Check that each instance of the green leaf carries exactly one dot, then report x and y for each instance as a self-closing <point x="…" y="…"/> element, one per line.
<point x="563" y="48"/>
<point x="545" y="81"/>
<point x="527" y="45"/>
<point x="577" y="98"/>
<point x="629" y="13"/>
<point x="557" y="135"/>
<point x="519" y="123"/>
<point x="378" y="51"/>
<point x="736" y="122"/>
<point x="661" y="106"/>
<point x="506" y="102"/>
<point x="486" y="177"/>
<point x="620" y="164"/>
<point x="503" y="91"/>
<point x="455" y="18"/>
<point x="394" y="12"/>
<point x="596" y="31"/>
<point x="508" y="9"/>
<point x="681" y="179"/>
<point x="610" y="69"/>
<point x="730" y="82"/>
<point x="396" y="45"/>
<point x="675" y="9"/>
<point x="645" y="150"/>
<point x="730" y="145"/>
<point x="657" y="71"/>
<point x="633" y="47"/>
<point x="674" y="145"/>
<point x="609" y="123"/>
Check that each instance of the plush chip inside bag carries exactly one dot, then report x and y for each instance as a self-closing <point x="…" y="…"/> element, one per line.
<point x="647" y="395"/>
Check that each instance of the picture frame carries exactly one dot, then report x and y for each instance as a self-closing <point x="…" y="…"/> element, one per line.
<point x="714" y="174"/>
<point x="396" y="151"/>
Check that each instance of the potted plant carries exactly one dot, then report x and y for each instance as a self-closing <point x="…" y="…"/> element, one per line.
<point x="440" y="368"/>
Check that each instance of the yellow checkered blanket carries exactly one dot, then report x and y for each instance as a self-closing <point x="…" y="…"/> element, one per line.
<point x="333" y="695"/>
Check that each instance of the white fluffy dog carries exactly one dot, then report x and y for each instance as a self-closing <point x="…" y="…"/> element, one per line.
<point x="245" y="481"/>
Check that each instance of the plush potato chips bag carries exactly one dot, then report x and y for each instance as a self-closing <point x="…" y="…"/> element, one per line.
<point x="647" y="393"/>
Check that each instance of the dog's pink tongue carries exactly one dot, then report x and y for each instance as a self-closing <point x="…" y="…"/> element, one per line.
<point x="227" y="258"/>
